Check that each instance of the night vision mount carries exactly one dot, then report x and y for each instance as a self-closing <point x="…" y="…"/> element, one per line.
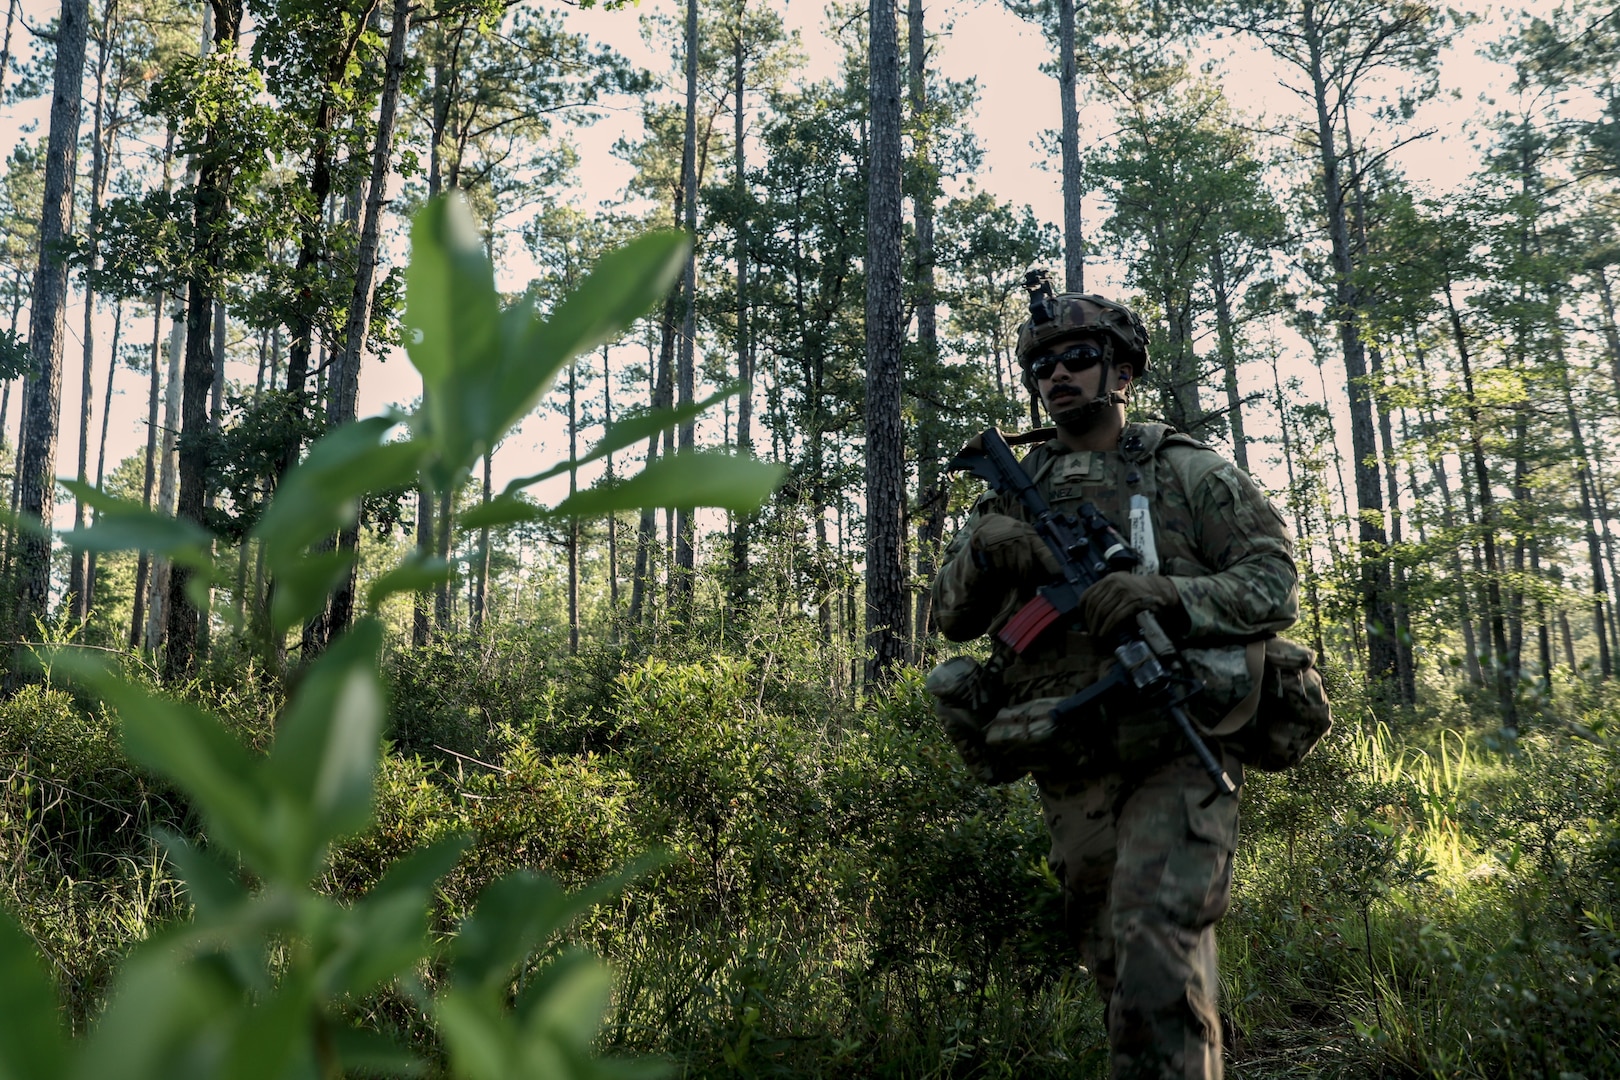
<point x="1042" y="310"/>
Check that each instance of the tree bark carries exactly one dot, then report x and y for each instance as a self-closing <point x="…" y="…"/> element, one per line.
<point x="211" y="209"/>
<point x="685" y="530"/>
<point x="80" y="559"/>
<point x="745" y="344"/>
<point x="1226" y="342"/>
<point x="931" y="495"/>
<point x="47" y="316"/>
<point x="886" y="608"/>
<point x="1074" y="254"/>
<point x="343" y="404"/>
<point x="1504" y="675"/>
<point x="1375" y="587"/>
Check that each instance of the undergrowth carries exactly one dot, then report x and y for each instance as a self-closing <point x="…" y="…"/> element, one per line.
<point x="837" y="899"/>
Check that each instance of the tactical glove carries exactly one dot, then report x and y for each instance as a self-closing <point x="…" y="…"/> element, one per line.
<point x="1012" y="549"/>
<point x="1115" y="601"/>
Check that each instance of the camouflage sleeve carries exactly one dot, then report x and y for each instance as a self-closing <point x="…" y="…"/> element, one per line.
<point x="1254" y="587"/>
<point x="964" y="604"/>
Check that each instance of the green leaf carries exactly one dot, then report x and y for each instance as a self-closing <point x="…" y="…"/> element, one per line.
<point x="478" y="1037"/>
<point x="321" y="494"/>
<point x="32" y="1044"/>
<point x="568" y="999"/>
<point x="451" y="306"/>
<point x="415" y="573"/>
<point x="684" y="480"/>
<point x="212" y="887"/>
<point x="623" y="285"/>
<point x="625" y="433"/>
<point x="194" y="750"/>
<point x="302" y="587"/>
<point x="372" y="1053"/>
<point x="275" y="1038"/>
<point x="386" y="932"/>
<point x="165" y="1009"/>
<point x="514" y="915"/>
<point x="501" y="510"/>
<point x="122" y="525"/>
<point x="326" y="750"/>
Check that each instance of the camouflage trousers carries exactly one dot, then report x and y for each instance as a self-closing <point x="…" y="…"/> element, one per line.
<point x="1146" y="872"/>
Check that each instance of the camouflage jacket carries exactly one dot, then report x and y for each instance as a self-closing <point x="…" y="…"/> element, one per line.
<point x="1217" y="538"/>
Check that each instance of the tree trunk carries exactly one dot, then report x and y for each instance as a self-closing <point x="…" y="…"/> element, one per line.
<point x="613" y="520"/>
<point x="1437" y="467"/>
<point x="685" y="529"/>
<point x="47" y="317"/>
<point x="101" y="449"/>
<point x="1074" y="254"/>
<point x="1594" y="550"/>
<point x="573" y="522"/>
<point x="1505" y="676"/>
<point x="343" y="405"/>
<point x="1375" y="587"/>
<point x="211" y="208"/>
<point x="79" y="558"/>
<point x="1226" y="342"/>
<point x="745" y="345"/>
<point x="931" y="494"/>
<point x="886" y="608"/>
<point x="5" y="46"/>
<point x="144" y="560"/>
<point x="480" y="605"/>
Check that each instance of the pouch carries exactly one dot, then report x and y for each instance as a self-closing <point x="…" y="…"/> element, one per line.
<point x="1293" y="712"/>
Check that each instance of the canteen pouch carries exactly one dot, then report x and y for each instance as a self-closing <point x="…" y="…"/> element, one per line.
<point x="1293" y="712"/>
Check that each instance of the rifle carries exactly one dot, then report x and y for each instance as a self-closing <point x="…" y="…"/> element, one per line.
<point x="1088" y="547"/>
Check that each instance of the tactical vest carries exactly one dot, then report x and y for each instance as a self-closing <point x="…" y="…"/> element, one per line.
<point x="1143" y="488"/>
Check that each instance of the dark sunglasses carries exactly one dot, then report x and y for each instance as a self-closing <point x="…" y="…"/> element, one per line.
<point x="1077" y="359"/>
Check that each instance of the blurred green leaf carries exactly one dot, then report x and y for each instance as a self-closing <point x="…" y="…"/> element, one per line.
<point x="302" y="587"/>
<point x="326" y="750"/>
<point x="501" y="510"/>
<point x="689" y="479"/>
<point x="451" y="306"/>
<point x="386" y="932"/>
<point x="415" y="573"/>
<point x="167" y="1019"/>
<point x="624" y="284"/>
<point x="32" y="1045"/>
<point x="321" y="494"/>
<point x="212" y="887"/>
<point x="191" y="748"/>
<point x="625" y="433"/>
<point x="123" y="525"/>
<point x="477" y="1036"/>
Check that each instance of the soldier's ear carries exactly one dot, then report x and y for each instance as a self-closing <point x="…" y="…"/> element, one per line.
<point x="1125" y="373"/>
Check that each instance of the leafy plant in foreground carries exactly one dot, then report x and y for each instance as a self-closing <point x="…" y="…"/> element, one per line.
<point x="264" y="980"/>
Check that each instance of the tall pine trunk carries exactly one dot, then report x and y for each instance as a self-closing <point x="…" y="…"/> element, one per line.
<point x="47" y="318"/>
<point x="886" y="608"/>
<point x="1074" y="252"/>
<point x="1375" y="585"/>
<point x="931" y="495"/>
<point x="685" y="530"/>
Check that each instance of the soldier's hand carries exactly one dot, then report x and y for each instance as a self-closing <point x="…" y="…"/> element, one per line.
<point x="1012" y="547"/>
<point x="1115" y="601"/>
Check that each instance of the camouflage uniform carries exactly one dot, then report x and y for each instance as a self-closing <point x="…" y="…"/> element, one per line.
<point x="1146" y="866"/>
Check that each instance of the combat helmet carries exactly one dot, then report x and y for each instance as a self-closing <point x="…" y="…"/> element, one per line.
<point x="1054" y="317"/>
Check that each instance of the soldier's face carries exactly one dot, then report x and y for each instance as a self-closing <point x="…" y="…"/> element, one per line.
<point x="1067" y="373"/>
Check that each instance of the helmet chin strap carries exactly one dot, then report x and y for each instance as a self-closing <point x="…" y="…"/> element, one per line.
<point x="1081" y="420"/>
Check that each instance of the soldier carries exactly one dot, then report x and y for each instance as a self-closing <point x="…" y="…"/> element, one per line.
<point x="1142" y="849"/>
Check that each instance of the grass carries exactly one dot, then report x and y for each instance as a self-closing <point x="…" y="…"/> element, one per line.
<point x="1420" y="899"/>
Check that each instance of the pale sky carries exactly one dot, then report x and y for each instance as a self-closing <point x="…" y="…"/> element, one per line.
<point x="1017" y="101"/>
